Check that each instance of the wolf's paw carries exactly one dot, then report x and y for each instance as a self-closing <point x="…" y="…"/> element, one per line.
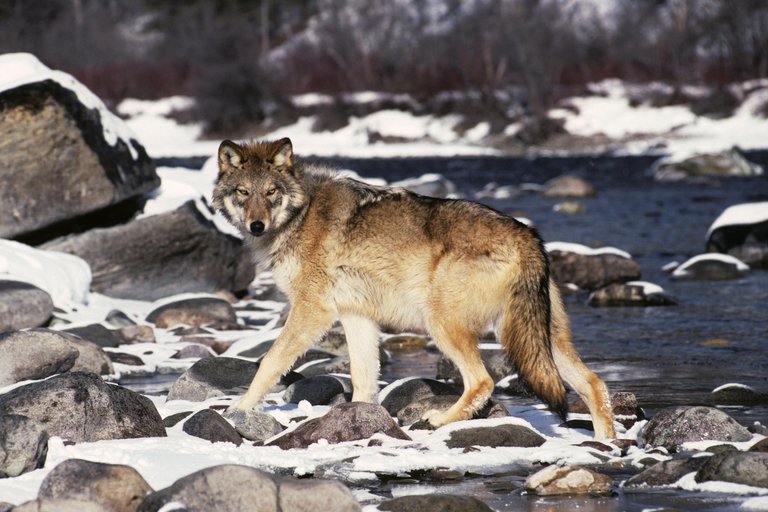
<point x="240" y="405"/>
<point x="436" y="418"/>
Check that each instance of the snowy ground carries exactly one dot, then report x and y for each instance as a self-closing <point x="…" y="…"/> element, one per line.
<point x="162" y="461"/>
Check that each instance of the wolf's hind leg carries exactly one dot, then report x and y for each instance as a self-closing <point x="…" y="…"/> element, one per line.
<point x="363" y="342"/>
<point x="460" y="346"/>
<point x="306" y="324"/>
<point x="572" y="369"/>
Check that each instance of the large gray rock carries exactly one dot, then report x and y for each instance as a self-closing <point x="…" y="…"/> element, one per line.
<point x="747" y="468"/>
<point x="55" y="162"/>
<point x="594" y="271"/>
<point x="23" y="445"/>
<point x="161" y="255"/>
<point x="232" y="487"/>
<point x="673" y="426"/>
<point x="82" y="407"/>
<point x="23" y="305"/>
<point x="252" y="424"/>
<point x="666" y="472"/>
<point x="35" y="354"/>
<point x="344" y="422"/>
<point x="116" y="487"/>
<point x="500" y="435"/>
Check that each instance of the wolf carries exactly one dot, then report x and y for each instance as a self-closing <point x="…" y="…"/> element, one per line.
<point x="374" y="256"/>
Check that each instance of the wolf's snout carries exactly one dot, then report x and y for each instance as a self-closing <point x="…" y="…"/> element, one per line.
<point x="257" y="228"/>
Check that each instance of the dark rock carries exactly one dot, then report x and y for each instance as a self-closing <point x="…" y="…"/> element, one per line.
<point x="496" y="362"/>
<point x="666" y="472"/>
<point x="710" y="267"/>
<point x="567" y="186"/>
<point x="161" y="255"/>
<point x="414" y="411"/>
<point x="82" y="171"/>
<point x="198" y="312"/>
<point x="81" y="407"/>
<point x="723" y="164"/>
<point x="624" y="294"/>
<point x="435" y="503"/>
<point x="219" y="376"/>
<point x="232" y="487"/>
<point x="737" y="394"/>
<point x="96" y="333"/>
<point x="254" y="425"/>
<point x="404" y="393"/>
<point x="193" y="351"/>
<point x="173" y="419"/>
<point x="209" y="425"/>
<point x="591" y="272"/>
<point x="760" y="446"/>
<point x="746" y="468"/>
<point x="130" y="334"/>
<point x="126" y="359"/>
<point x="344" y="422"/>
<point x="747" y="242"/>
<point x="555" y="480"/>
<point x="673" y="426"/>
<point x="318" y="390"/>
<point x="758" y="428"/>
<point x="500" y="435"/>
<point x="23" y="445"/>
<point x="116" y="487"/>
<point x="35" y="354"/>
<point x="117" y="318"/>
<point x="23" y="305"/>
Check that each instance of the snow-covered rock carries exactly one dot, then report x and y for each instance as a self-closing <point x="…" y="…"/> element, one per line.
<point x="742" y="231"/>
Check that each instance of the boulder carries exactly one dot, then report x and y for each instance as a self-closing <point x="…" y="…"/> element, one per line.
<point x="741" y="231"/>
<point x="116" y="487"/>
<point x="711" y="267"/>
<point x="592" y="271"/>
<point x="209" y="425"/>
<point x="23" y="445"/>
<point x="499" y="435"/>
<point x="196" y="312"/>
<point x="633" y="293"/>
<point x="161" y="255"/>
<point x="35" y="354"/>
<point x="96" y="333"/>
<point x="62" y="153"/>
<point x="253" y="425"/>
<point x="219" y="376"/>
<point x="81" y="407"/>
<point x="414" y="412"/>
<point x="404" y="392"/>
<point x="343" y="422"/>
<point x="723" y="164"/>
<point x="317" y="390"/>
<point x="567" y="186"/>
<point x="435" y="503"/>
<point x="746" y="468"/>
<point x="666" y="472"/>
<point x="673" y="426"/>
<point x="737" y="394"/>
<point x="233" y="487"/>
<point x="555" y="480"/>
<point x="23" y="305"/>
<point x="496" y="362"/>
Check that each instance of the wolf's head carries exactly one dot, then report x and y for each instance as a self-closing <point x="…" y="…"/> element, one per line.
<point x="259" y="189"/>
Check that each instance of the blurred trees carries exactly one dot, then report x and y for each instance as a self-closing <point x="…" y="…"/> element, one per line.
<point x="242" y="58"/>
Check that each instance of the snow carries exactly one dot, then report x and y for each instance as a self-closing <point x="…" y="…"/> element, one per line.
<point x="683" y="270"/>
<point x="65" y="277"/>
<point x="648" y="288"/>
<point x="740" y="214"/>
<point x="17" y="69"/>
<point x="584" y="250"/>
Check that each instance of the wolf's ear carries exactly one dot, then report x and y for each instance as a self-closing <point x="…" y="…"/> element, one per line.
<point x="230" y="156"/>
<point x="284" y="155"/>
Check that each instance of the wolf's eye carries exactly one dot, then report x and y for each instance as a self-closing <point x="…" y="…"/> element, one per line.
<point x="272" y="191"/>
<point x="242" y="191"/>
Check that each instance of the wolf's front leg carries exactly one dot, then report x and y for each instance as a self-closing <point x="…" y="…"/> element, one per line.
<point x="363" y="343"/>
<point x="306" y="323"/>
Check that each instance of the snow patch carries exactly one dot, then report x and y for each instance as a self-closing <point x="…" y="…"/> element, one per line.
<point x="584" y="250"/>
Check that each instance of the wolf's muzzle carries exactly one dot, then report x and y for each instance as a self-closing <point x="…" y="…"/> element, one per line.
<point x="256" y="228"/>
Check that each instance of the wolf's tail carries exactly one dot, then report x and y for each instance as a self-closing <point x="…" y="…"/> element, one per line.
<point x="524" y="331"/>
